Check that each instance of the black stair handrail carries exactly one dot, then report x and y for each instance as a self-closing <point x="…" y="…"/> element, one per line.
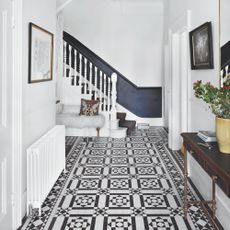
<point x="142" y="101"/>
<point x="96" y="60"/>
<point x="225" y="55"/>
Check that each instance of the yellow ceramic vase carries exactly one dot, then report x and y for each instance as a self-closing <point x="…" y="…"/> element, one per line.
<point x="223" y="134"/>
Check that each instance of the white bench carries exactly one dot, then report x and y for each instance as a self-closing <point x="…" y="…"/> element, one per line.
<point x="68" y="115"/>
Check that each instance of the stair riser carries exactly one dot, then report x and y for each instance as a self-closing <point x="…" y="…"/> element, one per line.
<point x="114" y="124"/>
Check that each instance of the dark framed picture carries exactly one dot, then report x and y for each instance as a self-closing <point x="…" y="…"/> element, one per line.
<point x="40" y="54"/>
<point x="201" y="47"/>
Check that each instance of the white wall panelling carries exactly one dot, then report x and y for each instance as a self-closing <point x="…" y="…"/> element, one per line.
<point x="166" y="86"/>
<point x="3" y="183"/>
<point x="17" y="113"/>
<point x="9" y="122"/>
<point x="3" y="68"/>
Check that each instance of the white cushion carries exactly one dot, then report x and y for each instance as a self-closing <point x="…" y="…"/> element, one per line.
<point x="75" y="121"/>
<point x="71" y="109"/>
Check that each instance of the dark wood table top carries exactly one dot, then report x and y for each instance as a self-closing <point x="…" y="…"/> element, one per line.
<point x="210" y="159"/>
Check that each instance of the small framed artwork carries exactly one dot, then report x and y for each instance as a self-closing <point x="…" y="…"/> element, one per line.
<point x="40" y="54"/>
<point x="201" y="47"/>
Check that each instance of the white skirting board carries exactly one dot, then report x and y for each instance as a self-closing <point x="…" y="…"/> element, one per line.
<point x="142" y="125"/>
<point x="131" y="116"/>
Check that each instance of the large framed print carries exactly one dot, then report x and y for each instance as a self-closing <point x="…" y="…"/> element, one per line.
<point x="201" y="47"/>
<point x="40" y="54"/>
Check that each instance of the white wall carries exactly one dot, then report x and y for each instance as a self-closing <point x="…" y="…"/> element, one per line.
<point x="127" y="34"/>
<point x="200" y="117"/>
<point x="225" y="19"/>
<point x="38" y="98"/>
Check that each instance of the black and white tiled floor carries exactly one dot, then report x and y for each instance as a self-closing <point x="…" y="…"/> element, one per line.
<point x="120" y="184"/>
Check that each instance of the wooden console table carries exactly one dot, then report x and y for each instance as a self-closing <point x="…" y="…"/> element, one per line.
<point x="215" y="163"/>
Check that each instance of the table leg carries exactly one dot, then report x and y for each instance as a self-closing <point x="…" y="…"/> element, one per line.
<point x="98" y="132"/>
<point x="214" y="178"/>
<point x="185" y="208"/>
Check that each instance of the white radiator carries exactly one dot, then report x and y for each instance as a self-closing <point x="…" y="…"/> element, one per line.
<point x="45" y="162"/>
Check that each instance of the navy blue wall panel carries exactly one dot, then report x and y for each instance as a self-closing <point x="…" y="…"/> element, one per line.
<point x="145" y="102"/>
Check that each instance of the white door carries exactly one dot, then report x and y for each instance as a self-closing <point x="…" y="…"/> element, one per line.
<point x="6" y="74"/>
<point x="175" y="107"/>
<point x="184" y="82"/>
<point x="178" y="96"/>
<point x="178" y="80"/>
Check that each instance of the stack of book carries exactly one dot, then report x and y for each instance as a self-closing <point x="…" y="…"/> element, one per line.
<point x="207" y="136"/>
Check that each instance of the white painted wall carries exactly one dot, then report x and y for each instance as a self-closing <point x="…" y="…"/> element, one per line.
<point x="200" y="117"/>
<point x="127" y="34"/>
<point x="59" y="55"/>
<point x="225" y="19"/>
<point x="38" y="98"/>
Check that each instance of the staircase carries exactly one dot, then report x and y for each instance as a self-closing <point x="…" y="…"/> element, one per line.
<point x="88" y="76"/>
<point x="225" y="63"/>
<point x="84" y="79"/>
<point x="129" y="124"/>
<point x="143" y="102"/>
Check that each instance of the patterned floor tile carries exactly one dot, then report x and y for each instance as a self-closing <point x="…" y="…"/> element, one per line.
<point x="131" y="183"/>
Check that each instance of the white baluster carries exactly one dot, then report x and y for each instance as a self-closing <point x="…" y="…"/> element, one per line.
<point x="114" y="97"/>
<point x="226" y="70"/>
<point x="104" y="102"/>
<point x="80" y="70"/>
<point x="221" y="77"/>
<point x="100" y="89"/>
<point x="90" y="79"/>
<point x="108" y="109"/>
<point x="64" y="60"/>
<point x="70" y="61"/>
<point x="85" y="77"/>
<point x="75" y="65"/>
<point x="95" y="84"/>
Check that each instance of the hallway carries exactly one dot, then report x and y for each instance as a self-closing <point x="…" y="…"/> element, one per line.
<point x="120" y="184"/>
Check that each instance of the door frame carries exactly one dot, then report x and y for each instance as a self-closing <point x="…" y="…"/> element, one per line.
<point x="176" y="31"/>
<point x="17" y="81"/>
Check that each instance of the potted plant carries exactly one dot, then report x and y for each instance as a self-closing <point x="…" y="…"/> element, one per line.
<point x="219" y="101"/>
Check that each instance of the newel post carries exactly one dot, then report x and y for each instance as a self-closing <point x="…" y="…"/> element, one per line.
<point x="114" y="97"/>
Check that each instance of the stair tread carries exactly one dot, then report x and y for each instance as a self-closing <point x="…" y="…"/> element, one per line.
<point x="128" y="123"/>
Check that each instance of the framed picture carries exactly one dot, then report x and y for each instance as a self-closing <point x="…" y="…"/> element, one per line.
<point x="201" y="49"/>
<point x="40" y="54"/>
